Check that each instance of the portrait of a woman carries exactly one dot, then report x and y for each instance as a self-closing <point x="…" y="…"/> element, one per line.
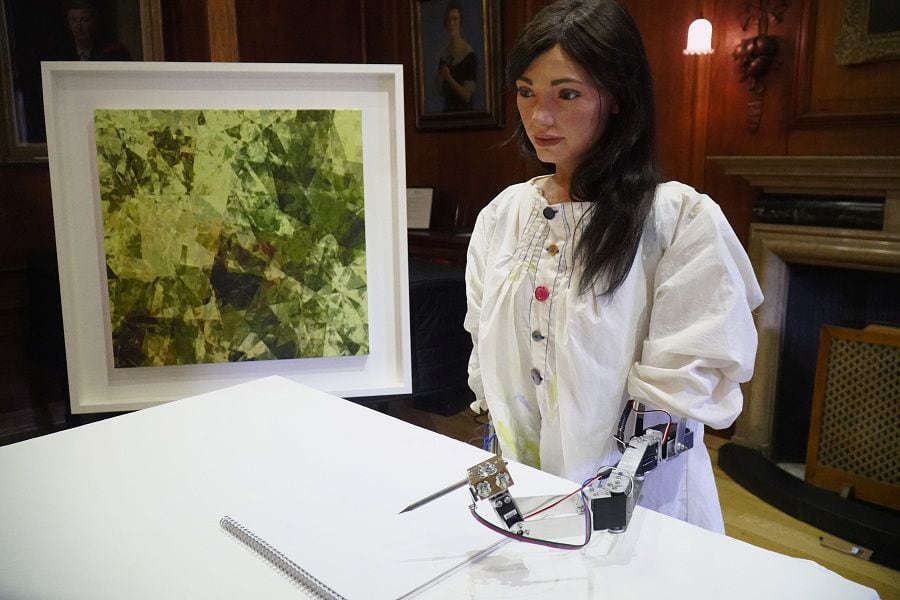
<point x="458" y="66"/>
<point x="457" y="62"/>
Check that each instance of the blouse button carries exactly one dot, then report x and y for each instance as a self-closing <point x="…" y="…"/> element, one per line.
<point x="536" y="377"/>
<point x="536" y="335"/>
<point x="549" y="213"/>
<point x="553" y="249"/>
<point x="541" y="293"/>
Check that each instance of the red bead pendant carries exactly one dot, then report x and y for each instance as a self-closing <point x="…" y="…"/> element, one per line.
<point x="541" y="293"/>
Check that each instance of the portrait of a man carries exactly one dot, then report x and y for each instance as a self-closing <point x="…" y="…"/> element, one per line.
<point x="88" y="35"/>
<point x="56" y="30"/>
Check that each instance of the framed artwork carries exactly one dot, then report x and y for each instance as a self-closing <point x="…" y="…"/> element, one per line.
<point x="89" y="30"/>
<point x="218" y="223"/>
<point x="870" y="31"/>
<point x="457" y="73"/>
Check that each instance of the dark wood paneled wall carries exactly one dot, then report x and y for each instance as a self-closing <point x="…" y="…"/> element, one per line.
<point x="26" y="217"/>
<point x="185" y="30"/>
<point x="302" y="30"/>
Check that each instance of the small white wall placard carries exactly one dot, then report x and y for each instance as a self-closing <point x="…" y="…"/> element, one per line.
<point x="418" y="207"/>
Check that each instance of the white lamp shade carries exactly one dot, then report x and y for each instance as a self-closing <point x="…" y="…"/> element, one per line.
<point x="699" y="39"/>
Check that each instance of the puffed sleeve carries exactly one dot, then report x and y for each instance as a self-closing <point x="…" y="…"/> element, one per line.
<point x="475" y="267"/>
<point x="702" y="341"/>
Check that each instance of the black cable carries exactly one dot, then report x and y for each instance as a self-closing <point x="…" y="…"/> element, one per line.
<point x="620" y="430"/>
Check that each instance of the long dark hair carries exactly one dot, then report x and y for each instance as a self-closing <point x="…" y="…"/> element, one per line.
<point x="618" y="174"/>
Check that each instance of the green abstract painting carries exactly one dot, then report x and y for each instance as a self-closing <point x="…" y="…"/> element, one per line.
<point x="233" y="235"/>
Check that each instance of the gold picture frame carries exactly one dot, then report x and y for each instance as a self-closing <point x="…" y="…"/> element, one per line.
<point x="858" y="43"/>
<point x="468" y="48"/>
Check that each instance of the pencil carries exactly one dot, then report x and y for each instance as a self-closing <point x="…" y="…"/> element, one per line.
<point x="435" y="496"/>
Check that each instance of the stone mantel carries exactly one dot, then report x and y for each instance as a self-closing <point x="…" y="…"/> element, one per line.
<point x="853" y="175"/>
<point x="877" y="176"/>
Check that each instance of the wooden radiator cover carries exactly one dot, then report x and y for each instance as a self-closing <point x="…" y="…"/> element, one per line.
<point x="854" y="438"/>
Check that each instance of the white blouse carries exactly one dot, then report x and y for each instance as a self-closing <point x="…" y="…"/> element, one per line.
<point x="555" y="367"/>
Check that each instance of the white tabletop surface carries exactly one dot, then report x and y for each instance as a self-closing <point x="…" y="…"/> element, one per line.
<point x="129" y="508"/>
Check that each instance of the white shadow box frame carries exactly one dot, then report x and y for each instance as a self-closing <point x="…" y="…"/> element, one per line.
<point x="73" y="91"/>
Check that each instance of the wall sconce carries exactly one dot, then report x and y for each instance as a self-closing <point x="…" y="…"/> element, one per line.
<point x="699" y="38"/>
<point x="758" y="54"/>
<point x="696" y="74"/>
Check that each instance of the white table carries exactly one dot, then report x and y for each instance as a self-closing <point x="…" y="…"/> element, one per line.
<point x="129" y="508"/>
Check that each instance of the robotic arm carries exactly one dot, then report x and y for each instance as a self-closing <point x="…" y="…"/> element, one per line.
<point x="605" y="502"/>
